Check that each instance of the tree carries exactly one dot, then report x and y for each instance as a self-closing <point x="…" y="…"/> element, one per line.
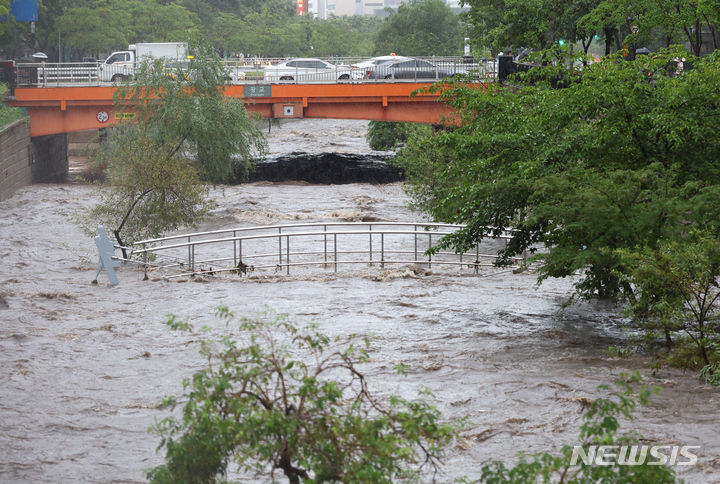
<point x="153" y="22"/>
<point x="343" y="36"/>
<point x="184" y="131"/>
<point x="294" y="400"/>
<point x="623" y="157"/>
<point x="5" y="15"/>
<point x="677" y="294"/>
<point x="85" y="29"/>
<point x="675" y="21"/>
<point x="388" y="135"/>
<point x="420" y="27"/>
<point x="536" y="24"/>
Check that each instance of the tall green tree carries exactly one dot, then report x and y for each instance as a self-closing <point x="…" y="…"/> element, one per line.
<point x="5" y="8"/>
<point x="85" y="29"/>
<point x="343" y="36"/>
<point x="9" y="20"/>
<point x="422" y="28"/>
<point x="636" y="23"/>
<point x="535" y="24"/>
<point x="185" y="131"/>
<point x="154" y="22"/>
<point x="623" y="157"/>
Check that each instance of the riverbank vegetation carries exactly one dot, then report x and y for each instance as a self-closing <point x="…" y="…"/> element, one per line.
<point x="180" y="133"/>
<point x="389" y="135"/>
<point x="612" y="177"/>
<point x="7" y="114"/>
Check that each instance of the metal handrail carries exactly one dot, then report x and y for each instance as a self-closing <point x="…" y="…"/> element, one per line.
<point x="372" y="237"/>
<point x="313" y="224"/>
<point x="253" y="71"/>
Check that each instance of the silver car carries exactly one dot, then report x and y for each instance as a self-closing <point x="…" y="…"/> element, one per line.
<point x="412" y="69"/>
<point x="309" y="69"/>
<point x="372" y="63"/>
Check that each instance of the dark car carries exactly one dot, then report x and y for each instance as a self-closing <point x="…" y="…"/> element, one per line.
<point x="410" y="69"/>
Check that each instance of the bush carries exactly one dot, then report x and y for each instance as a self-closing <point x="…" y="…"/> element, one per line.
<point x="8" y="114"/>
<point x="292" y="399"/>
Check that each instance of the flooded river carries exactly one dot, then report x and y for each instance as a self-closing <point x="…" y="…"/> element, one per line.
<point x="84" y="366"/>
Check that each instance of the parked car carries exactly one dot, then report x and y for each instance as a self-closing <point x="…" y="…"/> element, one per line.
<point x="372" y="63"/>
<point x="309" y="69"/>
<point x="412" y="69"/>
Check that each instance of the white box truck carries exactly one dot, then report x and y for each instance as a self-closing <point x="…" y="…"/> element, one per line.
<point x="120" y="66"/>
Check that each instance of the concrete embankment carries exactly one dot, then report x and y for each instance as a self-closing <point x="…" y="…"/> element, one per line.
<point x="25" y="160"/>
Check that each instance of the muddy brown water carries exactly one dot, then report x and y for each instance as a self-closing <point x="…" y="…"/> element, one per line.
<point x="84" y="366"/>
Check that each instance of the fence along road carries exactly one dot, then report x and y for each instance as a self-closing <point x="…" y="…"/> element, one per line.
<point x="261" y="71"/>
<point x="278" y="249"/>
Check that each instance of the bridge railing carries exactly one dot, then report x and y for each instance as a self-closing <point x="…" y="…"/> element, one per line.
<point x="257" y="71"/>
<point x="280" y="248"/>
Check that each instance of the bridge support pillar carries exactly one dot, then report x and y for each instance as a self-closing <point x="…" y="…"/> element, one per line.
<point x="49" y="158"/>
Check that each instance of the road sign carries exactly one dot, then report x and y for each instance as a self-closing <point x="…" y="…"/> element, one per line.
<point x="257" y="90"/>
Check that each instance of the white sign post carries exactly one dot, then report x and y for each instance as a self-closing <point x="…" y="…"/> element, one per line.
<point x="106" y="249"/>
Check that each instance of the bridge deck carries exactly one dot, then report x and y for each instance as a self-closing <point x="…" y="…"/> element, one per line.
<point x="66" y="108"/>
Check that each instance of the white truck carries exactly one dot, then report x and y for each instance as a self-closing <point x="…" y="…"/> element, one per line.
<point x="120" y="66"/>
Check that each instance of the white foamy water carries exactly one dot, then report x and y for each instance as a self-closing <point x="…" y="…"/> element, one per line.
<point x="84" y="366"/>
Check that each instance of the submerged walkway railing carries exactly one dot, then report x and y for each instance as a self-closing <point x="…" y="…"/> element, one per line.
<point x="280" y="249"/>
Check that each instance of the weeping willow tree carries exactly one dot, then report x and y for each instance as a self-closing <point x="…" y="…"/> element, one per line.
<point x="178" y="133"/>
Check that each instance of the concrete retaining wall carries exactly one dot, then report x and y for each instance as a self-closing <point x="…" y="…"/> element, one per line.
<point x="25" y="160"/>
<point x="15" y="158"/>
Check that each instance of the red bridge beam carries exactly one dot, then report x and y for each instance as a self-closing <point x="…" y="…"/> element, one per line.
<point x="54" y="110"/>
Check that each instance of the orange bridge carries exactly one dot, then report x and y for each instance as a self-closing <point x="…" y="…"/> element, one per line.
<point x="54" y="110"/>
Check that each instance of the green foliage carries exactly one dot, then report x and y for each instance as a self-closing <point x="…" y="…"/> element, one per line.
<point x="422" y="28"/>
<point x="600" y="427"/>
<point x="621" y="158"/>
<point x="624" y="24"/>
<point x="636" y="23"/>
<point x="191" y="114"/>
<point x="150" y="190"/>
<point x="677" y="298"/>
<point x="343" y="36"/>
<point x="85" y="28"/>
<point x="292" y="399"/>
<point x="184" y="130"/>
<point x="7" y="114"/>
<point x="387" y="135"/>
<point x="536" y="24"/>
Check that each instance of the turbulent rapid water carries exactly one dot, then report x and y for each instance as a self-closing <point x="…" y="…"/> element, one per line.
<point x="85" y="366"/>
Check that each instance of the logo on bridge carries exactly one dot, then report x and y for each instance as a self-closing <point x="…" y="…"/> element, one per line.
<point x="102" y="117"/>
